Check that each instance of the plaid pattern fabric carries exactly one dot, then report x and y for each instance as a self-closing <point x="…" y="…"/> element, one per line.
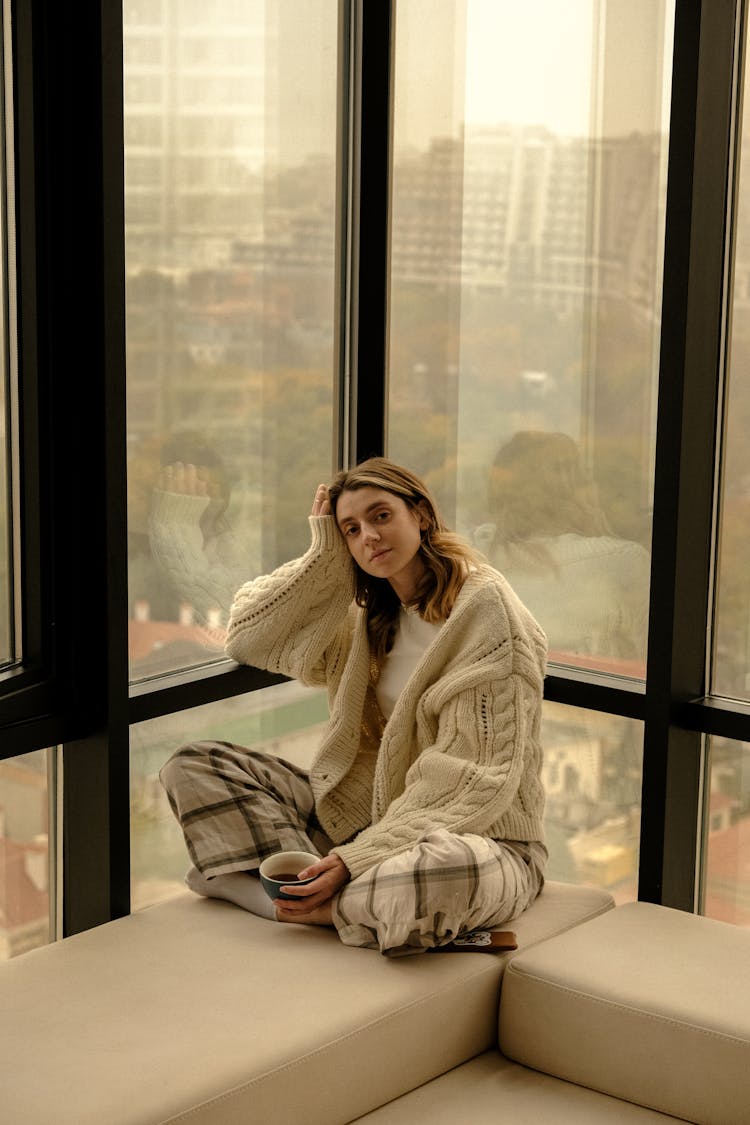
<point x="237" y="806"/>
<point x="446" y="885"/>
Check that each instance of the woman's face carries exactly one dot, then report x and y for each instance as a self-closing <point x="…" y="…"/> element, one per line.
<point x="383" y="535"/>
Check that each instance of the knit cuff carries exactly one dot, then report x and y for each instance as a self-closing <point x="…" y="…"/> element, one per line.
<point x="326" y="535"/>
<point x="178" y="506"/>
<point x="359" y="855"/>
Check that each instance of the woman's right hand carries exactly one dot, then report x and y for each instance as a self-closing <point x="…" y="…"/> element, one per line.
<point x="321" y="504"/>
<point x="188" y="480"/>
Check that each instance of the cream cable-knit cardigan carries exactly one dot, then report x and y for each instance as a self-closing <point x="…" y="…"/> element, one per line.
<point x="461" y="750"/>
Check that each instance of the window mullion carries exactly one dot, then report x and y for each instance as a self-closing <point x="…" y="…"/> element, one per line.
<point x="372" y="29"/>
<point x="79" y="333"/>
<point x="691" y="349"/>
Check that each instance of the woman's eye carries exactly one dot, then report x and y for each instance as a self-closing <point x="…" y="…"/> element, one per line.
<point x="350" y="530"/>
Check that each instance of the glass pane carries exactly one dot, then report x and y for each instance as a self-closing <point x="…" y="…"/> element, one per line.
<point x="6" y="585"/>
<point x="24" y="854"/>
<point x="230" y="165"/>
<point x="7" y="240"/>
<point x="593" y="765"/>
<point x="286" y="720"/>
<point x="529" y="178"/>
<point x="726" y="861"/>
<point x="732" y="620"/>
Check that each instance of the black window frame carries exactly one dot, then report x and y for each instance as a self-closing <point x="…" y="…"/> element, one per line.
<point x="72" y="687"/>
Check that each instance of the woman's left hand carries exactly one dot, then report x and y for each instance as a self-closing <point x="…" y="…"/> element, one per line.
<point x="331" y="875"/>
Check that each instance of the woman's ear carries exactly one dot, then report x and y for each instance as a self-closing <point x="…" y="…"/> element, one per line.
<point x="423" y="515"/>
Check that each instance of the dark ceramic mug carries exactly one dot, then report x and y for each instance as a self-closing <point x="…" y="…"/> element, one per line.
<point x="285" y="864"/>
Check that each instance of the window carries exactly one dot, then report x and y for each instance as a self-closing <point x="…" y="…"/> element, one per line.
<point x="528" y="195"/>
<point x="231" y="314"/>
<point x="27" y="880"/>
<point x="7" y="376"/>
<point x="593" y="774"/>
<point x="285" y="720"/>
<point x="726" y="880"/>
<point x="732" y="622"/>
<point x="6" y="566"/>
<point x="526" y="259"/>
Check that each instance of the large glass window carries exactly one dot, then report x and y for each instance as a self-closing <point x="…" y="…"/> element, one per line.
<point x="26" y="885"/>
<point x="732" y="635"/>
<point x="726" y="866"/>
<point x="726" y="859"/>
<point x="286" y="720"/>
<point x="592" y="774"/>
<point x="7" y="640"/>
<point x="6" y="599"/>
<point x="230" y="160"/>
<point x="529" y="158"/>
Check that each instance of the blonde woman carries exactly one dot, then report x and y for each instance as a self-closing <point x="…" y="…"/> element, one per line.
<point x="424" y="801"/>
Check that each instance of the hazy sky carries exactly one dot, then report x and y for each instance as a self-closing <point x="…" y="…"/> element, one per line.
<point x="530" y="63"/>
<point x="574" y="66"/>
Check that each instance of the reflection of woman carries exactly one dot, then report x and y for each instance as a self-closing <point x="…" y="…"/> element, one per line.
<point x="203" y="536"/>
<point x="551" y="540"/>
<point x="424" y="800"/>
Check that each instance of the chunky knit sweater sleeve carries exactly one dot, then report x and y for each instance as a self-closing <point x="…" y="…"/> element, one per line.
<point x="297" y="620"/>
<point x="478" y="770"/>
<point x="205" y="552"/>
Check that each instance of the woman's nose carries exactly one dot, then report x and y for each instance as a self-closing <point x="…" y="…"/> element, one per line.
<point x="370" y="532"/>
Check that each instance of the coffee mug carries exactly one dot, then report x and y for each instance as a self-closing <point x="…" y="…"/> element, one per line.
<point x="280" y="869"/>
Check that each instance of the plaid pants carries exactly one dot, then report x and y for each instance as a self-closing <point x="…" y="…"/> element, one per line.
<point x="237" y="806"/>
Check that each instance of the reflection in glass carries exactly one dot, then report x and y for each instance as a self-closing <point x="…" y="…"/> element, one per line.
<point x="528" y="188"/>
<point x="24" y="854"/>
<point x="726" y="860"/>
<point x="592" y="777"/>
<point x="551" y="539"/>
<point x="732" y="618"/>
<point x="230" y="166"/>
<point x="285" y="720"/>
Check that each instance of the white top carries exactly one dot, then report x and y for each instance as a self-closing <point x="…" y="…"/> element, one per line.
<point x="413" y="637"/>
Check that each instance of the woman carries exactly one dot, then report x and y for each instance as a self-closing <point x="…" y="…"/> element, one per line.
<point x="424" y="800"/>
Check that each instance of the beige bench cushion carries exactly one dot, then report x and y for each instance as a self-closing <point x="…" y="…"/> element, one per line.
<point x="645" y="1003"/>
<point x="492" y="1090"/>
<point x="197" y="1011"/>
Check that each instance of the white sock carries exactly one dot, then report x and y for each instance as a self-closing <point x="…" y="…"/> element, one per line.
<point x="243" y="888"/>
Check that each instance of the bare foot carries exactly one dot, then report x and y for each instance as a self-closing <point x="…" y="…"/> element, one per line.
<point x="321" y="916"/>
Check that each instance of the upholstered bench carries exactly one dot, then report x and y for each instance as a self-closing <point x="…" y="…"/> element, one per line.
<point x="641" y="1007"/>
<point x="492" y="1090"/>
<point x="195" y="1011"/>
<point x="647" y="1004"/>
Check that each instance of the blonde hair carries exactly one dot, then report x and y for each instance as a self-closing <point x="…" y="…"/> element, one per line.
<point x="446" y="556"/>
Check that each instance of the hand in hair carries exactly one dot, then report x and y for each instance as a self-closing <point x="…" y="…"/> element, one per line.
<point x="321" y="505"/>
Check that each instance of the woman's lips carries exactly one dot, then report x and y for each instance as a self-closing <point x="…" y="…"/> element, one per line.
<point x="380" y="554"/>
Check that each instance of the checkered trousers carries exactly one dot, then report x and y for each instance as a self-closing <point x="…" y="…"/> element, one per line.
<point x="237" y="806"/>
